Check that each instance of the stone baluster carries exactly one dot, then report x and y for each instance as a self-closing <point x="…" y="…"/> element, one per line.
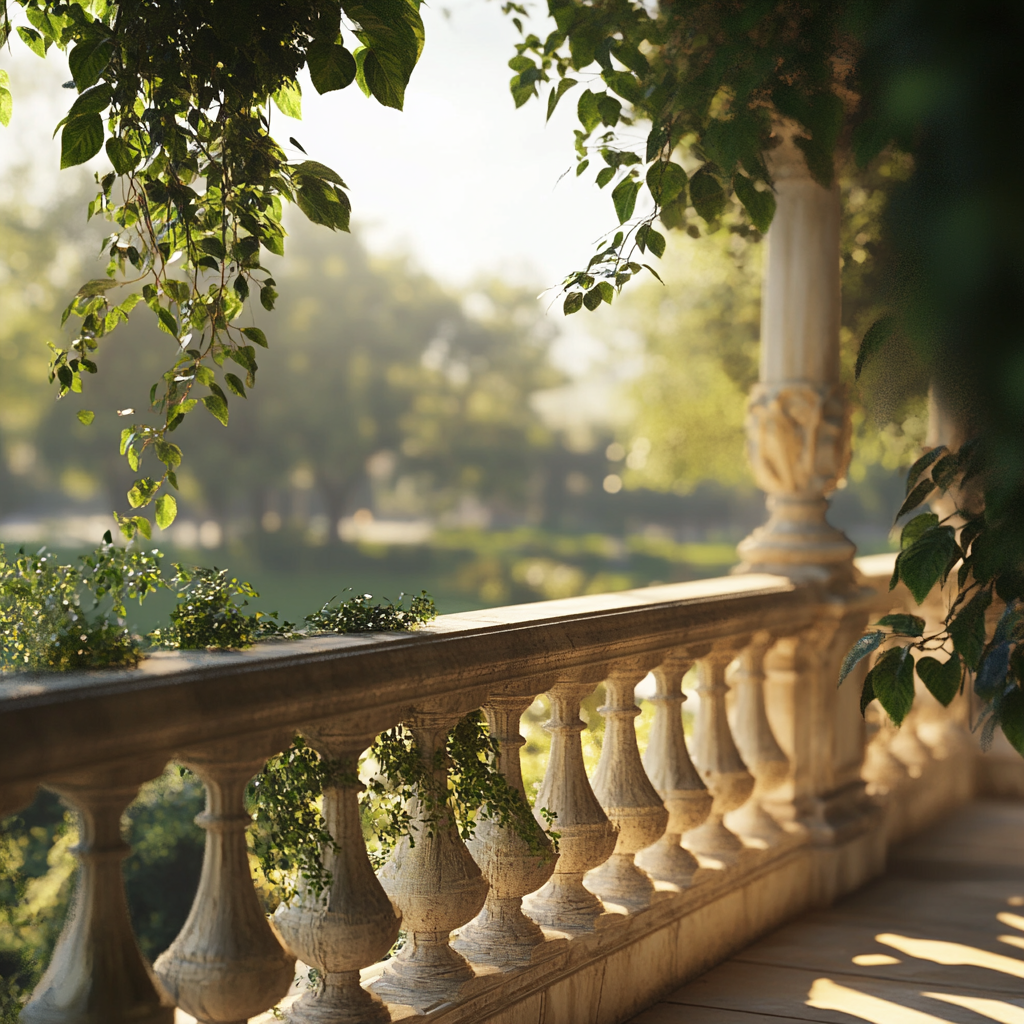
<point x="97" y="974"/>
<point x="756" y="744"/>
<point x="353" y="923"/>
<point x="226" y="965"/>
<point x="673" y="775"/>
<point x="501" y="934"/>
<point x="436" y="885"/>
<point x="587" y="836"/>
<point x="719" y="764"/>
<point x="626" y="794"/>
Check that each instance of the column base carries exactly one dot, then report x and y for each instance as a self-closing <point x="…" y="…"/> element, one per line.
<point x="797" y="541"/>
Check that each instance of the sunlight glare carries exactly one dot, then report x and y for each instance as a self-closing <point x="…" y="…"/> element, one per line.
<point x="994" y="1009"/>
<point x="825" y="994"/>
<point x="1013" y="940"/>
<point x="952" y="954"/>
<point x="1013" y="920"/>
<point x="875" y="960"/>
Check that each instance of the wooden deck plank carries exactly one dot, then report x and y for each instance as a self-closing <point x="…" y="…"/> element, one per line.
<point x="925" y="956"/>
<point x="829" y="997"/>
<point x="926" y="944"/>
<point x="673" y="1013"/>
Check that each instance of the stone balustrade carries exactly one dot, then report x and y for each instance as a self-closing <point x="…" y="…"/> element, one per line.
<point x="669" y="858"/>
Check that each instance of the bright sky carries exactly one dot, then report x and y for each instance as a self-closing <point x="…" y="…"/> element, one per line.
<point x="460" y="178"/>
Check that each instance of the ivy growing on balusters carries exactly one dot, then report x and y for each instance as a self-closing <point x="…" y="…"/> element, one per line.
<point x="290" y="833"/>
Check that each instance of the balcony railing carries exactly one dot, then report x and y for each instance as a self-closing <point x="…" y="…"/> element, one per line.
<point x="669" y="859"/>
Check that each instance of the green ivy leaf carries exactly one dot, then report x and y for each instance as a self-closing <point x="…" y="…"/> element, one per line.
<point x="81" y="140"/>
<point x="573" y="303"/>
<point x="656" y="242"/>
<point x="892" y="681"/>
<point x="917" y="526"/>
<point x="1011" y="718"/>
<point x="875" y="339"/>
<point x="123" y="158"/>
<point x="624" y="198"/>
<point x="234" y="385"/>
<point x="288" y="99"/>
<point x="967" y="629"/>
<point x="867" y="695"/>
<point x="556" y="94"/>
<point x="168" y="454"/>
<point x="218" y="407"/>
<point x="86" y="416"/>
<point x="166" y="510"/>
<point x="256" y="335"/>
<point x="610" y="109"/>
<point x="331" y="66"/>
<point x="925" y="560"/>
<point x="921" y="465"/>
<point x="92" y="101"/>
<point x="666" y="180"/>
<point x="866" y="645"/>
<point x="587" y="111"/>
<point x="707" y="195"/>
<point x="905" y="625"/>
<point x="941" y="677"/>
<point x="759" y="205"/>
<point x="6" y="105"/>
<point x="89" y="59"/>
<point x="143" y="526"/>
<point x="916" y="496"/>
<point x="33" y="40"/>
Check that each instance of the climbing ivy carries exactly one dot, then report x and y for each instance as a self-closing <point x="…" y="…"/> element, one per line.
<point x="290" y="832"/>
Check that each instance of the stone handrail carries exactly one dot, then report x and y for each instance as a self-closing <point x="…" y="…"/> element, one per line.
<point x="769" y="817"/>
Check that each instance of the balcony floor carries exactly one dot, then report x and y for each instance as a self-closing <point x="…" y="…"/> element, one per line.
<point x="939" y="938"/>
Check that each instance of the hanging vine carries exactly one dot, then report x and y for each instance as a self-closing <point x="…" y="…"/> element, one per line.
<point x="178" y="95"/>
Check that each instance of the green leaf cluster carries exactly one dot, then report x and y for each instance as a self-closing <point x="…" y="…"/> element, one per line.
<point x="177" y="96"/>
<point x="59" y="618"/>
<point x="290" y="835"/>
<point x="971" y="646"/>
<point x="704" y="77"/>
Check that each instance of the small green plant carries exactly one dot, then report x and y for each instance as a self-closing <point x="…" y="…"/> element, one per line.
<point x="358" y="615"/>
<point x="207" y="613"/>
<point x="57" y="618"/>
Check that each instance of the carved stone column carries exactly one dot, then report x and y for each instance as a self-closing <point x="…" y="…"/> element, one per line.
<point x="673" y="775"/>
<point x="226" y="965"/>
<point x="798" y="428"/>
<point x="353" y="924"/>
<point x="719" y="764"/>
<point x="756" y="743"/>
<point x="436" y="885"/>
<point x="501" y="934"/>
<point x="587" y="836"/>
<point x="625" y="792"/>
<point x="97" y="974"/>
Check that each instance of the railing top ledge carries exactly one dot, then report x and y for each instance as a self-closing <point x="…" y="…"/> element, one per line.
<point x="58" y="723"/>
